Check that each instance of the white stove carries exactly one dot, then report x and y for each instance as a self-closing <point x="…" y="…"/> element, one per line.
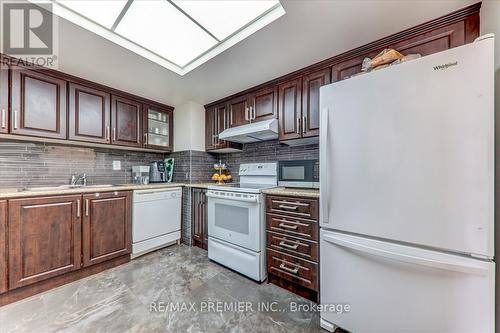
<point x="236" y="220"/>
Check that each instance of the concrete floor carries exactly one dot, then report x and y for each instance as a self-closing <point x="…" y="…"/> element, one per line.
<point x="136" y="298"/>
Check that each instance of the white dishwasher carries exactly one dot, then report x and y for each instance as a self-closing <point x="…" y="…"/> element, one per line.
<point x="156" y="219"/>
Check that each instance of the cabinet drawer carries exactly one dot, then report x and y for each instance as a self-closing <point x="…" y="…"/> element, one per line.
<point x="304" y="208"/>
<point x="292" y="226"/>
<point x="302" y="272"/>
<point x="294" y="246"/>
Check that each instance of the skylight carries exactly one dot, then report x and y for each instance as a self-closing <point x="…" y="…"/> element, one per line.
<point x="177" y="34"/>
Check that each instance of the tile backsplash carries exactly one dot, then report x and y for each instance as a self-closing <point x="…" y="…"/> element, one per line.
<point x="28" y="164"/>
<point x="268" y="151"/>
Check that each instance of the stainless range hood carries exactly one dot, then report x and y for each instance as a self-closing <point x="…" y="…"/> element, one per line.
<point x="255" y="132"/>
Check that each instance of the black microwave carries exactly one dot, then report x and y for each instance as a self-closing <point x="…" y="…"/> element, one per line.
<point x="298" y="173"/>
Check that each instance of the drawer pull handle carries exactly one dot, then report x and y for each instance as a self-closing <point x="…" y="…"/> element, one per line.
<point x="291" y="270"/>
<point x="287" y="226"/>
<point x="288" y="207"/>
<point x="78" y="209"/>
<point x="4" y="119"/>
<point x="293" y="247"/>
<point x="296" y="203"/>
<point x="86" y="207"/>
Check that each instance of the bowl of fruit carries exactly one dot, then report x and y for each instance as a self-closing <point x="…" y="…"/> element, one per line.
<point x="221" y="178"/>
<point x="222" y="175"/>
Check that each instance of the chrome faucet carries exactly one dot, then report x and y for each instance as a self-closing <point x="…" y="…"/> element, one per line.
<point x="75" y="179"/>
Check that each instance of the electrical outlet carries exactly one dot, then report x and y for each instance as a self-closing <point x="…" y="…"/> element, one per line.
<point x="117" y="165"/>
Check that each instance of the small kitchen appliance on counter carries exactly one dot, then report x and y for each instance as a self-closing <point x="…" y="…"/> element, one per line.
<point x="157" y="172"/>
<point x="140" y="174"/>
<point x="299" y="173"/>
<point x="236" y="220"/>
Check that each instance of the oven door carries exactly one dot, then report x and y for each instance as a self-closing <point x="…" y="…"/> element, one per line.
<point x="235" y="218"/>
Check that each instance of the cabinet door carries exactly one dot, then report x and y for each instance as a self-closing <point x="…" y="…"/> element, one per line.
<point x="238" y="107"/>
<point x="89" y="116"/>
<point x="44" y="238"/>
<point x="197" y="228"/>
<point x="210" y="129"/>
<point x="38" y="104"/>
<point x="106" y="226"/>
<point x="264" y="104"/>
<point x="199" y="218"/>
<point x="158" y="128"/>
<point x="290" y="109"/>
<point x="4" y="99"/>
<point x="222" y="121"/>
<point x="3" y="246"/>
<point x="310" y="101"/>
<point x="126" y="118"/>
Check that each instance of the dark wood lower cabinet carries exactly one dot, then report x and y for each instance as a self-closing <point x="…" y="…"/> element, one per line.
<point x="199" y="220"/>
<point x="3" y="246"/>
<point x="49" y="241"/>
<point x="107" y="226"/>
<point x="292" y="244"/>
<point x="44" y="238"/>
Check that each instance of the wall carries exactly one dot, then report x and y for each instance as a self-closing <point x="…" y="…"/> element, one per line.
<point x="29" y="164"/>
<point x="189" y="127"/>
<point x="192" y="166"/>
<point x="490" y="23"/>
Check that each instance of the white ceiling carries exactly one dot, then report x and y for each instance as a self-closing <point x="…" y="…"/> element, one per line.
<point x="310" y="31"/>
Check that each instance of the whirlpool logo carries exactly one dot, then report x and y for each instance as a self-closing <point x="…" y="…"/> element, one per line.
<point x="445" y="66"/>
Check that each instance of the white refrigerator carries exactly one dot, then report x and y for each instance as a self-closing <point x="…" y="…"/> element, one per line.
<point x="407" y="190"/>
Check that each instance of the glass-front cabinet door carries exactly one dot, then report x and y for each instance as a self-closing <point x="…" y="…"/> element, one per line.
<point x="158" y="128"/>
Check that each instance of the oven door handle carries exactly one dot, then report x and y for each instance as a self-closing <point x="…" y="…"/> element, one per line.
<point x="216" y="196"/>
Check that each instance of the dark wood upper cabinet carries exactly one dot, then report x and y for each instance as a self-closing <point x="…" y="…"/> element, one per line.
<point x="106" y="226"/>
<point x="301" y="121"/>
<point x="210" y="133"/>
<point x="38" y="104"/>
<point x="4" y="98"/>
<point x="158" y="128"/>
<point x="222" y="121"/>
<point x="263" y="104"/>
<point x="126" y="122"/>
<point x="310" y="101"/>
<point x="3" y="246"/>
<point x="44" y="238"/>
<point x="290" y="109"/>
<point x="217" y="119"/>
<point x="89" y="114"/>
<point x="239" y="111"/>
<point x="437" y="40"/>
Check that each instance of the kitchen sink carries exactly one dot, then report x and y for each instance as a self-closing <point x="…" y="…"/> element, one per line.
<point x="64" y="187"/>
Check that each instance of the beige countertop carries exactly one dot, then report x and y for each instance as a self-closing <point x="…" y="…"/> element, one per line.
<point x="7" y="193"/>
<point x="293" y="192"/>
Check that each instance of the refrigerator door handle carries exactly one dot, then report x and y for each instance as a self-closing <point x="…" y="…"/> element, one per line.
<point x="410" y="259"/>
<point x="323" y="167"/>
